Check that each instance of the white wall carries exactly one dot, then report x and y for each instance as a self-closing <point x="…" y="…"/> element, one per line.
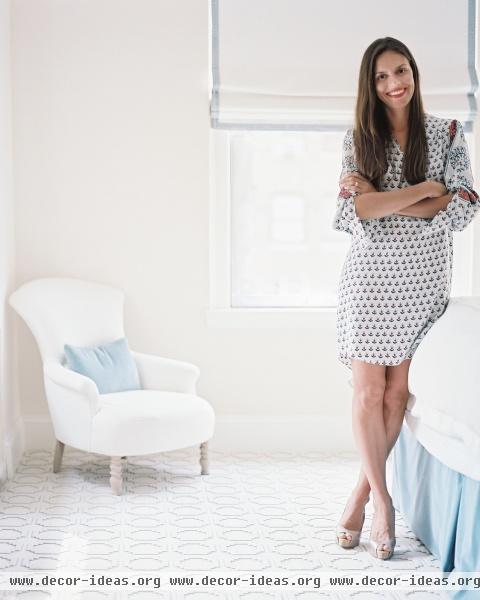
<point x="10" y="421"/>
<point x="111" y="156"/>
<point x="111" y="159"/>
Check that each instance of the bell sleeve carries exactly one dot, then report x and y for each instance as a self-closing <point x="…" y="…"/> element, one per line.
<point x="346" y="218"/>
<point x="458" y="180"/>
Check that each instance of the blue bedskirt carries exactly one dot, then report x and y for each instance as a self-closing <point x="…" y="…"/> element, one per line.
<point x="440" y="505"/>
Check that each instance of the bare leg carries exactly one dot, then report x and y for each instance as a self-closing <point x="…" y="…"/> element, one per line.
<point x="394" y="403"/>
<point x="368" y="423"/>
<point x="361" y="493"/>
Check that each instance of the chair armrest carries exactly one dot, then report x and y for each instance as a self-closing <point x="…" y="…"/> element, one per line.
<point x="74" y="382"/>
<point x="166" y="374"/>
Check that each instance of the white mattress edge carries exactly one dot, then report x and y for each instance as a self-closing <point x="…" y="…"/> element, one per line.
<point x="444" y="423"/>
<point x="452" y="452"/>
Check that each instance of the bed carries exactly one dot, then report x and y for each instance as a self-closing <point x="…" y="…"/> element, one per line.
<point x="436" y="460"/>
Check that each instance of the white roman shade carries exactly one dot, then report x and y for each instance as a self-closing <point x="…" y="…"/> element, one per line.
<point x="293" y="64"/>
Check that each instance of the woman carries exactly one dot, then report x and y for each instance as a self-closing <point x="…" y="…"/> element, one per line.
<point x="406" y="185"/>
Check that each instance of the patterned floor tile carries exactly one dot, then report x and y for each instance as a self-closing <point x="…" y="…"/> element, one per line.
<point x="255" y="512"/>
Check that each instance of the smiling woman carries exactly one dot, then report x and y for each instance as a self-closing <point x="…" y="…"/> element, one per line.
<point x="395" y="86"/>
<point x="406" y="185"/>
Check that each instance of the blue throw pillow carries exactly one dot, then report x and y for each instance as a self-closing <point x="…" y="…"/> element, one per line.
<point x="111" y="366"/>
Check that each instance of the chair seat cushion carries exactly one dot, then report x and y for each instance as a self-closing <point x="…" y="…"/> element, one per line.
<point x="148" y="421"/>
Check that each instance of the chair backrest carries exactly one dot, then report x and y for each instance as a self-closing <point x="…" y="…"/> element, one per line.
<point x="62" y="311"/>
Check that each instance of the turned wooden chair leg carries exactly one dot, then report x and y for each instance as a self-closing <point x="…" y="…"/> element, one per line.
<point x="204" y="458"/>
<point x="116" y="475"/>
<point x="57" y="456"/>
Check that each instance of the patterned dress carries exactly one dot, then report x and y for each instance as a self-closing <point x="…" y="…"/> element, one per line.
<point x="396" y="278"/>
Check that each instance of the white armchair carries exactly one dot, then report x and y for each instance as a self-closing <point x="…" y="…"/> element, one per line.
<point x="166" y="414"/>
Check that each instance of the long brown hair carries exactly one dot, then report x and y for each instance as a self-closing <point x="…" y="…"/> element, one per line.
<point x="372" y="131"/>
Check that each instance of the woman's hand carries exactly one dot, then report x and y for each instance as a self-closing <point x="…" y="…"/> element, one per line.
<point x="354" y="182"/>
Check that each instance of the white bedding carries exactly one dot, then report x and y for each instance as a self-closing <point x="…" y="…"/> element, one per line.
<point x="451" y="441"/>
<point x="443" y="410"/>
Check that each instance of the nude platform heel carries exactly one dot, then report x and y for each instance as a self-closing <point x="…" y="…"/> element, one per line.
<point x="373" y="546"/>
<point x="355" y="539"/>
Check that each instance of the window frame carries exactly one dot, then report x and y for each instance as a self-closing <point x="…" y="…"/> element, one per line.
<point x="220" y="313"/>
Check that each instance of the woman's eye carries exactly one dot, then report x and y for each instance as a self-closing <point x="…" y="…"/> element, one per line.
<point x="400" y="70"/>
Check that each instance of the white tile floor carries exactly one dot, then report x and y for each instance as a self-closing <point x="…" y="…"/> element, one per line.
<point x="253" y="512"/>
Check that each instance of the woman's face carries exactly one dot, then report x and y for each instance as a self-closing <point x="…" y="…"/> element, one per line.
<point x="393" y="79"/>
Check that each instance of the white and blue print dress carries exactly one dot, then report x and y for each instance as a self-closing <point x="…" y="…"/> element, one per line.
<point x="396" y="278"/>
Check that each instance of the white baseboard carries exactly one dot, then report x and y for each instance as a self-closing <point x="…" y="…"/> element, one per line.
<point x="242" y="433"/>
<point x="14" y="446"/>
<point x="283" y="433"/>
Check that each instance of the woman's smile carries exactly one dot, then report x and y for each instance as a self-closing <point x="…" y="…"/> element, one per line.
<point x="397" y="93"/>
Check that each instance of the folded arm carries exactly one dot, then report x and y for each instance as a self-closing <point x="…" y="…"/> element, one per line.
<point x="453" y="204"/>
<point x="426" y="208"/>
<point x="459" y="205"/>
<point x="374" y="205"/>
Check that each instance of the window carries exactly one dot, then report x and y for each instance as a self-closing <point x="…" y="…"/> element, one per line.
<point x="283" y="186"/>
<point x="273" y="247"/>
<point x="278" y="114"/>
